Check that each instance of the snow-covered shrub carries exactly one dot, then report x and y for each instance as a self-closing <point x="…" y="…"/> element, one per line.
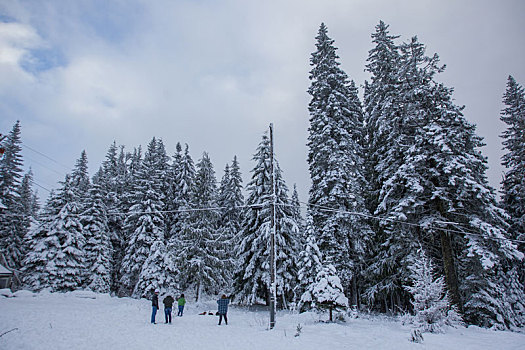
<point x="432" y="309"/>
<point x="328" y="291"/>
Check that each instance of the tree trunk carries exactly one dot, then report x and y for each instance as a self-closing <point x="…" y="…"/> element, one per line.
<point x="198" y="291"/>
<point x="331" y="320"/>
<point x="450" y="270"/>
<point x="354" y="292"/>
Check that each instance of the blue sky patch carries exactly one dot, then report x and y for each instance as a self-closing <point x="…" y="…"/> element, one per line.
<point x="40" y="60"/>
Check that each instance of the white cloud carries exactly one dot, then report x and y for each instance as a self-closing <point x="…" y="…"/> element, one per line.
<point x="215" y="74"/>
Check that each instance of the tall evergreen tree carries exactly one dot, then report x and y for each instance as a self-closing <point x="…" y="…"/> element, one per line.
<point x="513" y="191"/>
<point x="144" y="223"/>
<point x="80" y="175"/>
<point x="11" y="167"/>
<point x="201" y="247"/>
<point x="430" y="169"/>
<point x="12" y="223"/>
<point x="172" y="191"/>
<point x="309" y="264"/>
<point x="296" y="210"/>
<point x="231" y="202"/>
<point x="41" y="248"/>
<point x="115" y="182"/>
<point x="98" y="248"/>
<point x="184" y="179"/>
<point x="336" y="163"/>
<point x="252" y="278"/>
<point x="56" y="258"/>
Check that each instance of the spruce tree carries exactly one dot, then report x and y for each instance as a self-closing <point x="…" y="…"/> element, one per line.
<point x="336" y="163"/>
<point x="309" y="264"/>
<point x="432" y="309"/>
<point x="12" y="223"/>
<point x="513" y="191"/>
<point x="296" y="211"/>
<point x="184" y="178"/>
<point x="115" y="183"/>
<point x="144" y="223"/>
<point x="252" y="278"/>
<point x="231" y="201"/>
<point x="328" y="291"/>
<point x="156" y="272"/>
<point x="202" y="249"/>
<point x="41" y="248"/>
<point x="99" y="250"/>
<point x="80" y="175"/>
<point x="65" y="267"/>
<point x="438" y="186"/>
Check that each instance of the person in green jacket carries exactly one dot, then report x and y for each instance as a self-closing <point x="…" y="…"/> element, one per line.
<point x="181" y="302"/>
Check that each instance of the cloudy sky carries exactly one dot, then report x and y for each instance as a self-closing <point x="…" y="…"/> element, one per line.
<point x="214" y="74"/>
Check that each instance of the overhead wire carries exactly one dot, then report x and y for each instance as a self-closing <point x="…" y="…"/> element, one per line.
<point x="45" y="156"/>
<point x="322" y="208"/>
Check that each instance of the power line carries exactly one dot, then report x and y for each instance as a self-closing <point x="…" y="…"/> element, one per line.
<point x="45" y="166"/>
<point x="45" y="156"/>
<point x="322" y="208"/>
<point x="327" y="209"/>
<point x="38" y="185"/>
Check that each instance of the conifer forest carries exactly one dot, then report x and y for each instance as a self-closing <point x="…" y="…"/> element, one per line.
<point x="399" y="218"/>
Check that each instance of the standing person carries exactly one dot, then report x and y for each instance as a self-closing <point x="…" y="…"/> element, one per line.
<point x="181" y="302"/>
<point x="223" y="308"/>
<point x="154" y="305"/>
<point x="168" y="304"/>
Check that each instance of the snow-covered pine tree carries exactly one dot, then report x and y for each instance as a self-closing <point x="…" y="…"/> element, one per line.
<point x="163" y="172"/>
<point x="202" y="249"/>
<point x="296" y="212"/>
<point x="155" y="272"/>
<point x="449" y="166"/>
<point x="438" y="186"/>
<point x="309" y="264"/>
<point x="80" y="176"/>
<point x="172" y="202"/>
<point x="432" y="310"/>
<point x="98" y="248"/>
<point x="115" y="182"/>
<point x="513" y="190"/>
<point x="231" y="201"/>
<point x="328" y="291"/>
<point x="144" y="223"/>
<point x="184" y="180"/>
<point x="252" y="278"/>
<point x="12" y="221"/>
<point x="381" y="106"/>
<point x="513" y="197"/>
<point x="66" y="262"/>
<point x="41" y="248"/>
<point x="336" y="163"/>
<point x="11" y="167"/>
<point x="27" y="209"/>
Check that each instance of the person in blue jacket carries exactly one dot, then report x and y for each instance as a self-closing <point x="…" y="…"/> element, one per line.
<point x="154" y="305"/>
<point x="223" y="308"/>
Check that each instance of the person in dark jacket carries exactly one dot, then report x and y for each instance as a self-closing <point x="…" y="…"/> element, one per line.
<point x="168" y="304"/>
<point x="154" y="305"/>
<point x="223" y="308"/>
<point x="181" y="302"/>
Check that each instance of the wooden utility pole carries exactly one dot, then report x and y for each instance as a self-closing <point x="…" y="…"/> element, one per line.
<point x="272" y="237"/>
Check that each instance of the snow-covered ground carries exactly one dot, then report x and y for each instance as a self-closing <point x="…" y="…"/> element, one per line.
<point x="84" y="320"/>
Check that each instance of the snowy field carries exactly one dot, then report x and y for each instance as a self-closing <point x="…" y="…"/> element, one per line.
<point x="84" y="320"/>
